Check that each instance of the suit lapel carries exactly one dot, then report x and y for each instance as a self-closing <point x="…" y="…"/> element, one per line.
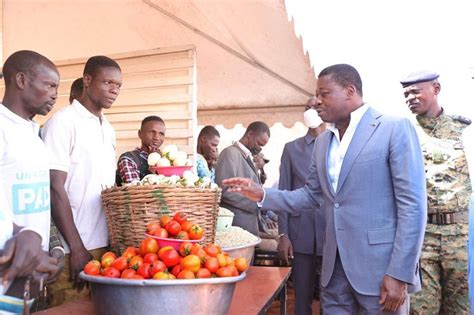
<point x="323" y="163"/>
<point x="248" y="160"/>
<point x="367" y="125"/>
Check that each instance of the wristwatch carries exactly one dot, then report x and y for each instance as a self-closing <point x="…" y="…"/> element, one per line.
<point x="281" y="235"/>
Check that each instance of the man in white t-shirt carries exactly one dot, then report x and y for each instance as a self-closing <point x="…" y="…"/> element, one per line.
<point x="82" y="146"/>
<point x="20" y="250"/>
<point x="31" y="87"/>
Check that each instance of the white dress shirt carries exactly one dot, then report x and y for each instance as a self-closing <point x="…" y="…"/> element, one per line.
<point x="338" y="147"/>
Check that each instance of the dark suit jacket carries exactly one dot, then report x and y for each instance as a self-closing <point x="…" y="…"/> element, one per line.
<point x="232" y="162"/>
<point x="304" y="231"/>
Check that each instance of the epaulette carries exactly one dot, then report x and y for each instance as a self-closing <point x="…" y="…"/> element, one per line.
<point x="462" y="119"/>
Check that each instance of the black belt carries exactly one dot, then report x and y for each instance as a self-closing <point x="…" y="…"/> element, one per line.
<point x="447" y="218"/>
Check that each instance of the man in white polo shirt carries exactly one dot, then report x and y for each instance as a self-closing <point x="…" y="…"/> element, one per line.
<point x="82" y="146"/>
<point x="31" y="87"/>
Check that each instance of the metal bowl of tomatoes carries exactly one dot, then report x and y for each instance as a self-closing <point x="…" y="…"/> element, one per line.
<point x="179" y="296"/>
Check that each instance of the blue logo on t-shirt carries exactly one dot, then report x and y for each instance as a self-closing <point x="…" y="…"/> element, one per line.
<point x="30" y="198"/>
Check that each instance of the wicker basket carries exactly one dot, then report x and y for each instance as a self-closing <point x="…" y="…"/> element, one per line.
<point x="129" y="208"/>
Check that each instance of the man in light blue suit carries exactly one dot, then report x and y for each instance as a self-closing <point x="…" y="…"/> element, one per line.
<point x="369" y="176"/>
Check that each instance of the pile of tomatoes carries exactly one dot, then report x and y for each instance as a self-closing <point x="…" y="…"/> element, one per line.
<point x="177" y="227"/>
<point x="151" y="262"/>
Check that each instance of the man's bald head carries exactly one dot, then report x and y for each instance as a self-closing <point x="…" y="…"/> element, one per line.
<point x="23" y="61"/>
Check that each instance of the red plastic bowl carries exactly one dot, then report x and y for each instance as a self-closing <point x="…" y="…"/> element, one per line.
<point x="170" y="170"/>
<point x="175" y="243"/>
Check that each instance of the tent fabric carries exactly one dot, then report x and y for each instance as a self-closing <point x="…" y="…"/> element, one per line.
<point x="248" y="60"/>
<point x="247" y="54"/>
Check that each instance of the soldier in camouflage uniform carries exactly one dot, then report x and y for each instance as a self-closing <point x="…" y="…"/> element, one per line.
<point x="444" y="253"/>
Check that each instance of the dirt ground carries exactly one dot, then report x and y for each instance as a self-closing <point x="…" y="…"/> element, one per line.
<point x="290" y="304"/>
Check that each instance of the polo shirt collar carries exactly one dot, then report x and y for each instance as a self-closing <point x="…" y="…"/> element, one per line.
<point x="83" y="111"/>
<point x="17" y="119"/>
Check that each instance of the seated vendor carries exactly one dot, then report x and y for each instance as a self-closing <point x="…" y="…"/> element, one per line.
<point x="208" y="140"/>
<point x="133" y="165"/>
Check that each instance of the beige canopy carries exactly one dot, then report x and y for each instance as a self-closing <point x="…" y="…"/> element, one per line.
<point x="250" y="64"/>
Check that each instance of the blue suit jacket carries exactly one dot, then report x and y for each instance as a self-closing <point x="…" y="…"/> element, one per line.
<point x="376" y="218"/>
<point x="305" y="233"/>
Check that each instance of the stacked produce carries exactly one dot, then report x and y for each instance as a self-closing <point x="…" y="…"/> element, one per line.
<point x="171" y="156"/>
<point x="151" y="261"/>
<point x="176" y="227"/>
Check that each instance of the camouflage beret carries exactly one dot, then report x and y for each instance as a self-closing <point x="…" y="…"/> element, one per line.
<point x="418" y="77"/>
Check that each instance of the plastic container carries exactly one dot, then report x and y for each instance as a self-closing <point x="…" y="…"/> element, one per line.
<point x="188" y="296"/>
<point x="175" y="243"/>
<point x="245" y="251"/>
<point x="170" y="170"/>
<point x="224" y="222"/>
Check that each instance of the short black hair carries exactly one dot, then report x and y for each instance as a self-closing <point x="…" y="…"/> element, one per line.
<point x="208" y="131"/>
<point x="23" y="61"/>
<point x="151" y="118"/>
<point x="76" y="88"/>
<point x="258" y="127"/>
<point x="96" y="62"/>
<point x="344" y="75"/>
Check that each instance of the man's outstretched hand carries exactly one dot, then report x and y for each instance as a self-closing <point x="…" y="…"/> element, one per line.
<point x="244" y="186"/>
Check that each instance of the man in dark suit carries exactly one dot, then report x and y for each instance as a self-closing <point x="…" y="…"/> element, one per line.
<point x="299" y="237"/>
<point x="237" y="160"/>
<point x="369" y="175"/>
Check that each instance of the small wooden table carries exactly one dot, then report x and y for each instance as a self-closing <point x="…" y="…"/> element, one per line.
<point x="253" y="295"/>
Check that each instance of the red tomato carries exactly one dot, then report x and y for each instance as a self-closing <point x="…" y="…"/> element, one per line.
<point x="92" y="268"/>
<point x="157" y="266"/>
<point x="203" y="273"/>
<point x="152" y="226"/>
<point x="170" y="257"/>
<point x="196" y="232"/>
<point x="212" y="264"/>
<point x="191" y="262"/>
<point x="224" y="272"/>
<point x="128" y="273"/>
<point x="198" y="251"/>
<point x="130" y="252"/>
<point x="186" y="226"/>
<point x="162" y="275"/>
<point x="135" y="262"/>
<point x="107" y="261"/>
<point x="164" y="219"/>
<point x="111" y="272"/>
<point x="176" y="270"/>
<point x="144" y="270"/>
<point x="182" y="235"/>
<point x="186" y="274"/>
<point x="164" y="249"/>
<point x="150" y="258"/>
<point x="233" y="270"/>
<point x="137" y="277"/>
<point x="180" y="217"/>
<point x="148" y="245"/>
<point x="212" y="250"/>
<point x="161" y="232"/>
<point x="221" y="258"/>
<point x="173" y="227"/>
<point x="120" y="263"/>
<point x="229" y="261"/>
<point x="185" y="248"/>
<point x="241" y="264"/>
